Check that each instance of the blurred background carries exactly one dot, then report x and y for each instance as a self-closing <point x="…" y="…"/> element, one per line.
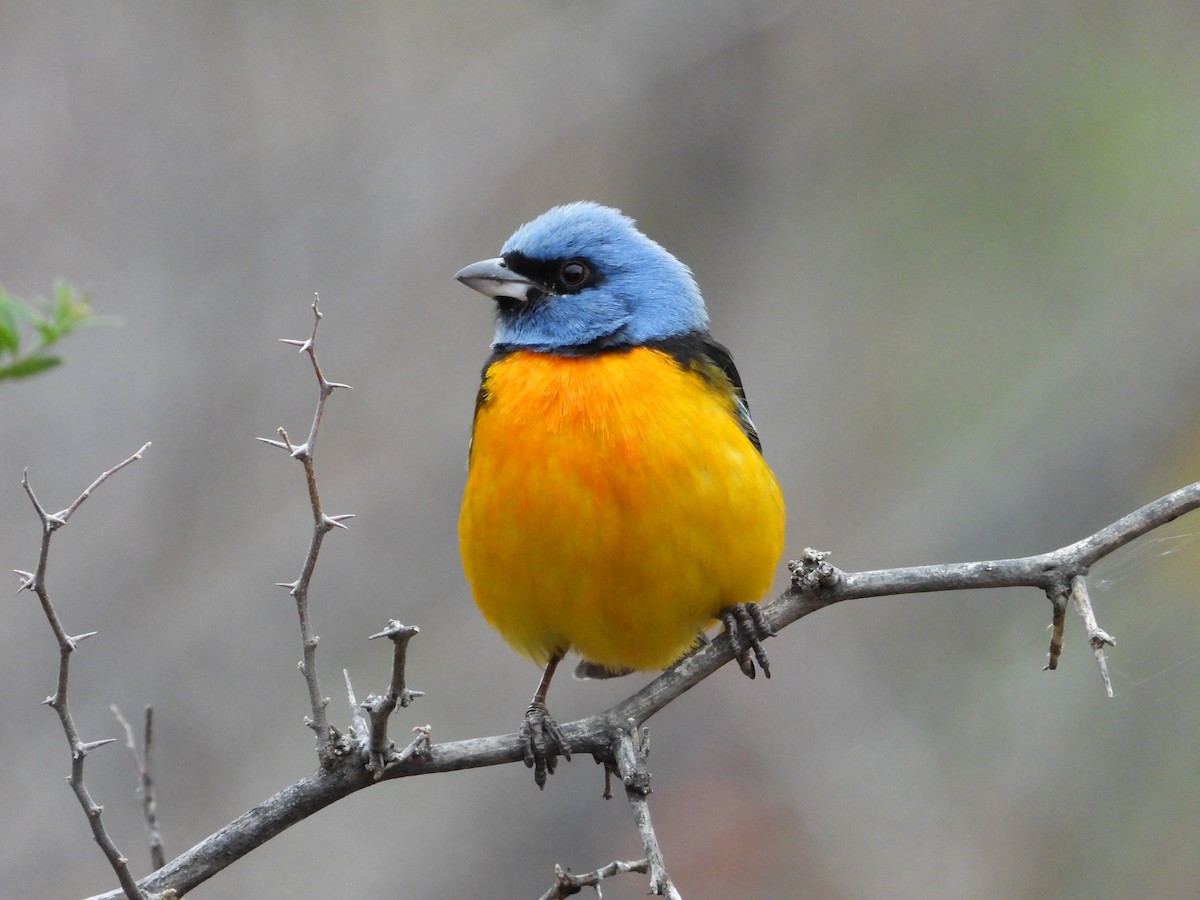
<point x="953" y="247"/>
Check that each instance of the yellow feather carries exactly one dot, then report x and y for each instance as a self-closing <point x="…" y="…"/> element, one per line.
<point x="613" y="506"/>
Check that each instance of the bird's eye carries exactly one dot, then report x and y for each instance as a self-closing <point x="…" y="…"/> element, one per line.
<point x="574" y="273"/>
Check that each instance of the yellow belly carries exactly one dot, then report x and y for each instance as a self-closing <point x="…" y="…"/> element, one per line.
<point x="613" y="507"/>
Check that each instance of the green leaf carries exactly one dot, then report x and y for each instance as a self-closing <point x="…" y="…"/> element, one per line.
<point x="47" y="332"/>
<point x="10" y="334"/>
<point x="70" y="309"/>
<point x="49" y="320"/>
<point x="31" y="365"/>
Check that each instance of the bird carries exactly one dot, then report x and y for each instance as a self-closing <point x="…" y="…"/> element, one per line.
<point x="617" y="501"/>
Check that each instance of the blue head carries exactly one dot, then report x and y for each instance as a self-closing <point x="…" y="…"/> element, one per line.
<point x="582" y="275"/>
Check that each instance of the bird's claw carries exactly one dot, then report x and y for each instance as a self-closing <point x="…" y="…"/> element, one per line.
<point x="543" y="742"/>
<point x="747" y="627"/>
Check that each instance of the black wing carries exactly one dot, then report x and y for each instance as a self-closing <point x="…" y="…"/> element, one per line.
<point x="698" y="350"/>
<point x="481" y="396"/>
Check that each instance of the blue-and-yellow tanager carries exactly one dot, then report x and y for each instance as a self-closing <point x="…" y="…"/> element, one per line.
<point x="617" y="500"/>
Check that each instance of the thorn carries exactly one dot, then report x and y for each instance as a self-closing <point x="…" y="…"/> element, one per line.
<point x="336" y="521"/>
<point x="303" y="345"/>
<point x="338" y="384"/>
<point x="28" y="581"/>
<point x="280" y="444"/>
<point x="291" y="586"/>
<point x="92" y="745"/>
<point x="82" y="637"/>
<point x="300" y="452"/>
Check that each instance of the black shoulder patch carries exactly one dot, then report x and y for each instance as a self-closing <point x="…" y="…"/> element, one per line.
<point x="497" y="354"/>
<point x="698" y="350"/>
<point x="482" y="396"/>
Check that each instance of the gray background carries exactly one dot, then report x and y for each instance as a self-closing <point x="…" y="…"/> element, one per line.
<point x="953" y="247"/>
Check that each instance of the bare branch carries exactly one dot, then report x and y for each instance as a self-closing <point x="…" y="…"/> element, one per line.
<point x="568" y="885"/>
<point x="322" y="525"/>
<point x="144" y="766"/>
<point x="1096" y="637"/>
<point x="379" y="708"/>
<point x="629" y="757"/>
<point x="1058" y="624"/>
<point x="62" y="517"/>
<point x="816" y="585"/>
<point x="67" y="644"/>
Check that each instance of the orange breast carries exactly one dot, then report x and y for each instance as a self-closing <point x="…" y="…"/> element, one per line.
<point x="613" y="506"/>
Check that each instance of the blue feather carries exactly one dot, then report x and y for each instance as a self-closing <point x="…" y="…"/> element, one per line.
<point x="638" y="291"/>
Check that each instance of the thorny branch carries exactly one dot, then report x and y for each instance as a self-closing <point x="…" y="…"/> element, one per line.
<point x="380" y="749"/>
<point x="67" y="644"/>
<point x="815" y="585"/>
<point x="322" y="525"/>
<point x="615" y="736"/>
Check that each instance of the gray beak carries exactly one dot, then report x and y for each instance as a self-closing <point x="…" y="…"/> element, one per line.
<point x="493" y="278"/>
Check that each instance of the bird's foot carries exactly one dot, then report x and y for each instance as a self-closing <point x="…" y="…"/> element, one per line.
<point x="747" y="627"/>
<point x="543" y="741"/>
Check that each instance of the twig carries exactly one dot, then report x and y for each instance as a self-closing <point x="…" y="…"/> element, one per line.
<point x="816" y="585"/>
<point x="1096" y="636"/>
<point x="629" y="757"/>
<point x="322" y="525"/>
<point x="1058" y="624"/>
<point x="416" y="748"/>
<point x="568" y="885"/>
<point x="380" y="750"/>
<point x="144" y="763"/>
<point x="67" y="644"/>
